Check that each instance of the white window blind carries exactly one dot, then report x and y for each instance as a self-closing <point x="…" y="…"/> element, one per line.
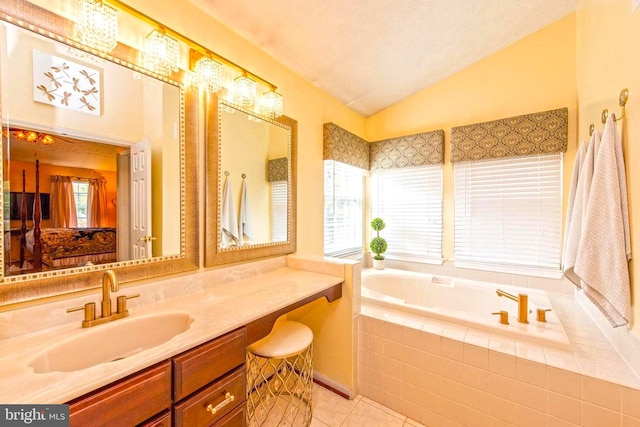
<point x="409" y="200"/>
<point x="509" y="211"/>
<point x="343" y="194"/>
<point x="279" y="211"/>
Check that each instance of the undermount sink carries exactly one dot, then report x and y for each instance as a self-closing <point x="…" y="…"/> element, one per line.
<point x="110" y="342"/>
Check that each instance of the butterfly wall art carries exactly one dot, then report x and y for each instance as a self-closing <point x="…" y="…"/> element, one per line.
<point x="66" y="84"/>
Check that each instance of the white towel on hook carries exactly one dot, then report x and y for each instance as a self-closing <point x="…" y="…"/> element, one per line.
<point x="228" y="221"/>
<point x="246" y="224"/>
<point x="578" y="198"/>
<point x="602" y="261"/>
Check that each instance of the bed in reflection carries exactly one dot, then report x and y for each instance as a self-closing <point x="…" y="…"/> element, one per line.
<point x="68" y="247"/>
<point x="51" y="248"/>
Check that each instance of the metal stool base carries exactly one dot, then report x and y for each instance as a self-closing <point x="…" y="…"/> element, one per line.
<point x="279" y="390"/>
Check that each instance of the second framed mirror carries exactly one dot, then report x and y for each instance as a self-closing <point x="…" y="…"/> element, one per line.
<point x="251" y="184"/>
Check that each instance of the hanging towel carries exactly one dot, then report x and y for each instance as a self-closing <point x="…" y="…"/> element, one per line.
<point x="246" y="225"/>
<point x="228" y="221"/>
<point x="578" y="198"/>
<point x="602" y="261"/>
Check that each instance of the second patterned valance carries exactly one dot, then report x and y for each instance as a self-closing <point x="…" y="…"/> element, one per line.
<point x="421" y="149"/>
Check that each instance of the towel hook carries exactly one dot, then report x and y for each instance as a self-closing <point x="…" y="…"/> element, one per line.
<point x="592" y="127"/>
<point x="622" y="102"/>
<point x="244" y="175"/>
<point x="226" y="173"/>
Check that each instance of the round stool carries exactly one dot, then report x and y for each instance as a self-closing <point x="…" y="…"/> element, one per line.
<point x="280" y="377"/>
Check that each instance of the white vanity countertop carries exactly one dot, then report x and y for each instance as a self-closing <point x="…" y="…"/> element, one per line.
<point x="233" y="300"/>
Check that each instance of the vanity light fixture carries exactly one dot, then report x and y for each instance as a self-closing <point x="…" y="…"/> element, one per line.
<point x="97" y="25"/>
<point x="270" y="104"/>
<point x="208" y="73"/>
<point x="161" y="54"/>
<point x="244" y="91"/>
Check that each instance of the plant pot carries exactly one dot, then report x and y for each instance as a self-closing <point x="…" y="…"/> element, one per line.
<point x="378" y="264"/>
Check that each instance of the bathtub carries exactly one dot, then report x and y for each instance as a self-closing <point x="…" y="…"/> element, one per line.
<point x="464" y="302"/>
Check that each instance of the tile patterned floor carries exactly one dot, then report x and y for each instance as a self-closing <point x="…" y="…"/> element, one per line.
<point x="331" y="410"/>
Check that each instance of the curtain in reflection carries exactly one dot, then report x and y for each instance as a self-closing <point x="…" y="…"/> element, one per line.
<point x="63" y="203"/>
<point x="97" y="203"/>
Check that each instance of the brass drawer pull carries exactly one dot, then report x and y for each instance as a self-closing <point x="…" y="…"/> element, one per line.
<point x="228" y="398"/>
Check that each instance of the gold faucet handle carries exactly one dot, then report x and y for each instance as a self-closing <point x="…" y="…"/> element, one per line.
<point x="89" y="311"/>
<point x="122" y="302"/>
<point x="504" y="316"/>
<point x="541" y="314"/>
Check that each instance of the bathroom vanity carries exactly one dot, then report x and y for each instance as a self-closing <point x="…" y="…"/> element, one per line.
<point x="230" y="308"/>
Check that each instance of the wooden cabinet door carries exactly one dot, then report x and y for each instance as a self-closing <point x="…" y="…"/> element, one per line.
<point x="128" y="402"/>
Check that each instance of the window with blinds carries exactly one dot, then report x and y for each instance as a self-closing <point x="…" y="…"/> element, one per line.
<point x="509" y="211"/>
<point x="278" y="211"/>
<point x="409" y="200"/>
<point x="343" y="195"/>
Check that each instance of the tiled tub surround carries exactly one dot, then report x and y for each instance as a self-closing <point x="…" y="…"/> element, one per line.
<point x="218" y="300"/>
<point x="465" y="302"/>
<point x="442" y="374"/>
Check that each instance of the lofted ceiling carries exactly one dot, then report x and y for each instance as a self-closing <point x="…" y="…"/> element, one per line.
<point x="370" y="54"/>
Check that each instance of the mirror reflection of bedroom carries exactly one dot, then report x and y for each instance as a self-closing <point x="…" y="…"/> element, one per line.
<point x="99" y="143"/>
<point x="76" y="212"/>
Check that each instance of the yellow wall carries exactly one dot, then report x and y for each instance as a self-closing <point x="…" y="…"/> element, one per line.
<point x="608" y="60"/>
<point x="535" y="74"/>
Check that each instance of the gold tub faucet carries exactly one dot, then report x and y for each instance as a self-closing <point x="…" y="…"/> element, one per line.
<point x="523" y="304"/>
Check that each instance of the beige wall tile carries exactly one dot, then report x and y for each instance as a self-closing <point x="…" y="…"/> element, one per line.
<point x="531" y="396"/>
<point x="528" y="417"/>
<point x="564" y="382"/>
<point x="503" y="409"/>
<point x="564" y="407"/>
<point x="502" y="386"/>
<point x="596" y="416"/>
<point x="630" y="402"/>
<point x="601" y="393"/>
<point x="503" y="364"/>
<point x="476" y="356"/>
<point x="531" y="372"/>
<point x="627" y="421"/>
<point x="452" y="349"/>
<point x="557" y="422"/>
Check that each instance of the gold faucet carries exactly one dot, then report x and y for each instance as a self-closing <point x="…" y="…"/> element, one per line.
<point x="109" y="284"/>
<point x="523" y="302"/>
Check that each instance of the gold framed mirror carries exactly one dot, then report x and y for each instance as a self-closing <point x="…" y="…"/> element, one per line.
<point x="31" y="33"/>
<point x="251" y="184"/>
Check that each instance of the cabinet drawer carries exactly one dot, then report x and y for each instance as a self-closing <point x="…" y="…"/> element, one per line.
<point x="201" y="365"/>
<point x="195" y="410"/>
<point x="235" y="418"/>
<point x="125" y="403"/>
<point x="162" y="420"/>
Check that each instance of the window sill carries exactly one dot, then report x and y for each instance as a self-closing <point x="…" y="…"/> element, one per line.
<point x="523" y="271"/>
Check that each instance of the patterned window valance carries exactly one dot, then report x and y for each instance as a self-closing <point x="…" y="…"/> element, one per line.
<point x="277" y="169"/>
<point x="531" y="134"/>
<point x="412" y="150"/>
<point x="343" y="146"/>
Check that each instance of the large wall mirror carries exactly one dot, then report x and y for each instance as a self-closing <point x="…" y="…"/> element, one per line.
<point x="251" y="177"/>
<point x="110" y="153"/>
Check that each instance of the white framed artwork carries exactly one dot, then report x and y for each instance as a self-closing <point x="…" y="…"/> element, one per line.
<point x="66" y="84"/>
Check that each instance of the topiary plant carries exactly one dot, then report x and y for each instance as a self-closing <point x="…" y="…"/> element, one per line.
<point x="378" y="245"/>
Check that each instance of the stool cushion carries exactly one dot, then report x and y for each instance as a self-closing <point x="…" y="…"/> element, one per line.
<point x="285" y="340"/>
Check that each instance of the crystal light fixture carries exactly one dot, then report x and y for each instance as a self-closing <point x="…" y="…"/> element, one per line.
<point x="271" y="104"/>
<point x="208" y="74"/>
<point x="244" y="91"/>
<point x="161" y="53"/>
<point x="97" y="25"/>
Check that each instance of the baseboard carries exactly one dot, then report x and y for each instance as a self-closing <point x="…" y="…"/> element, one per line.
<point x="333" y="386"/>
